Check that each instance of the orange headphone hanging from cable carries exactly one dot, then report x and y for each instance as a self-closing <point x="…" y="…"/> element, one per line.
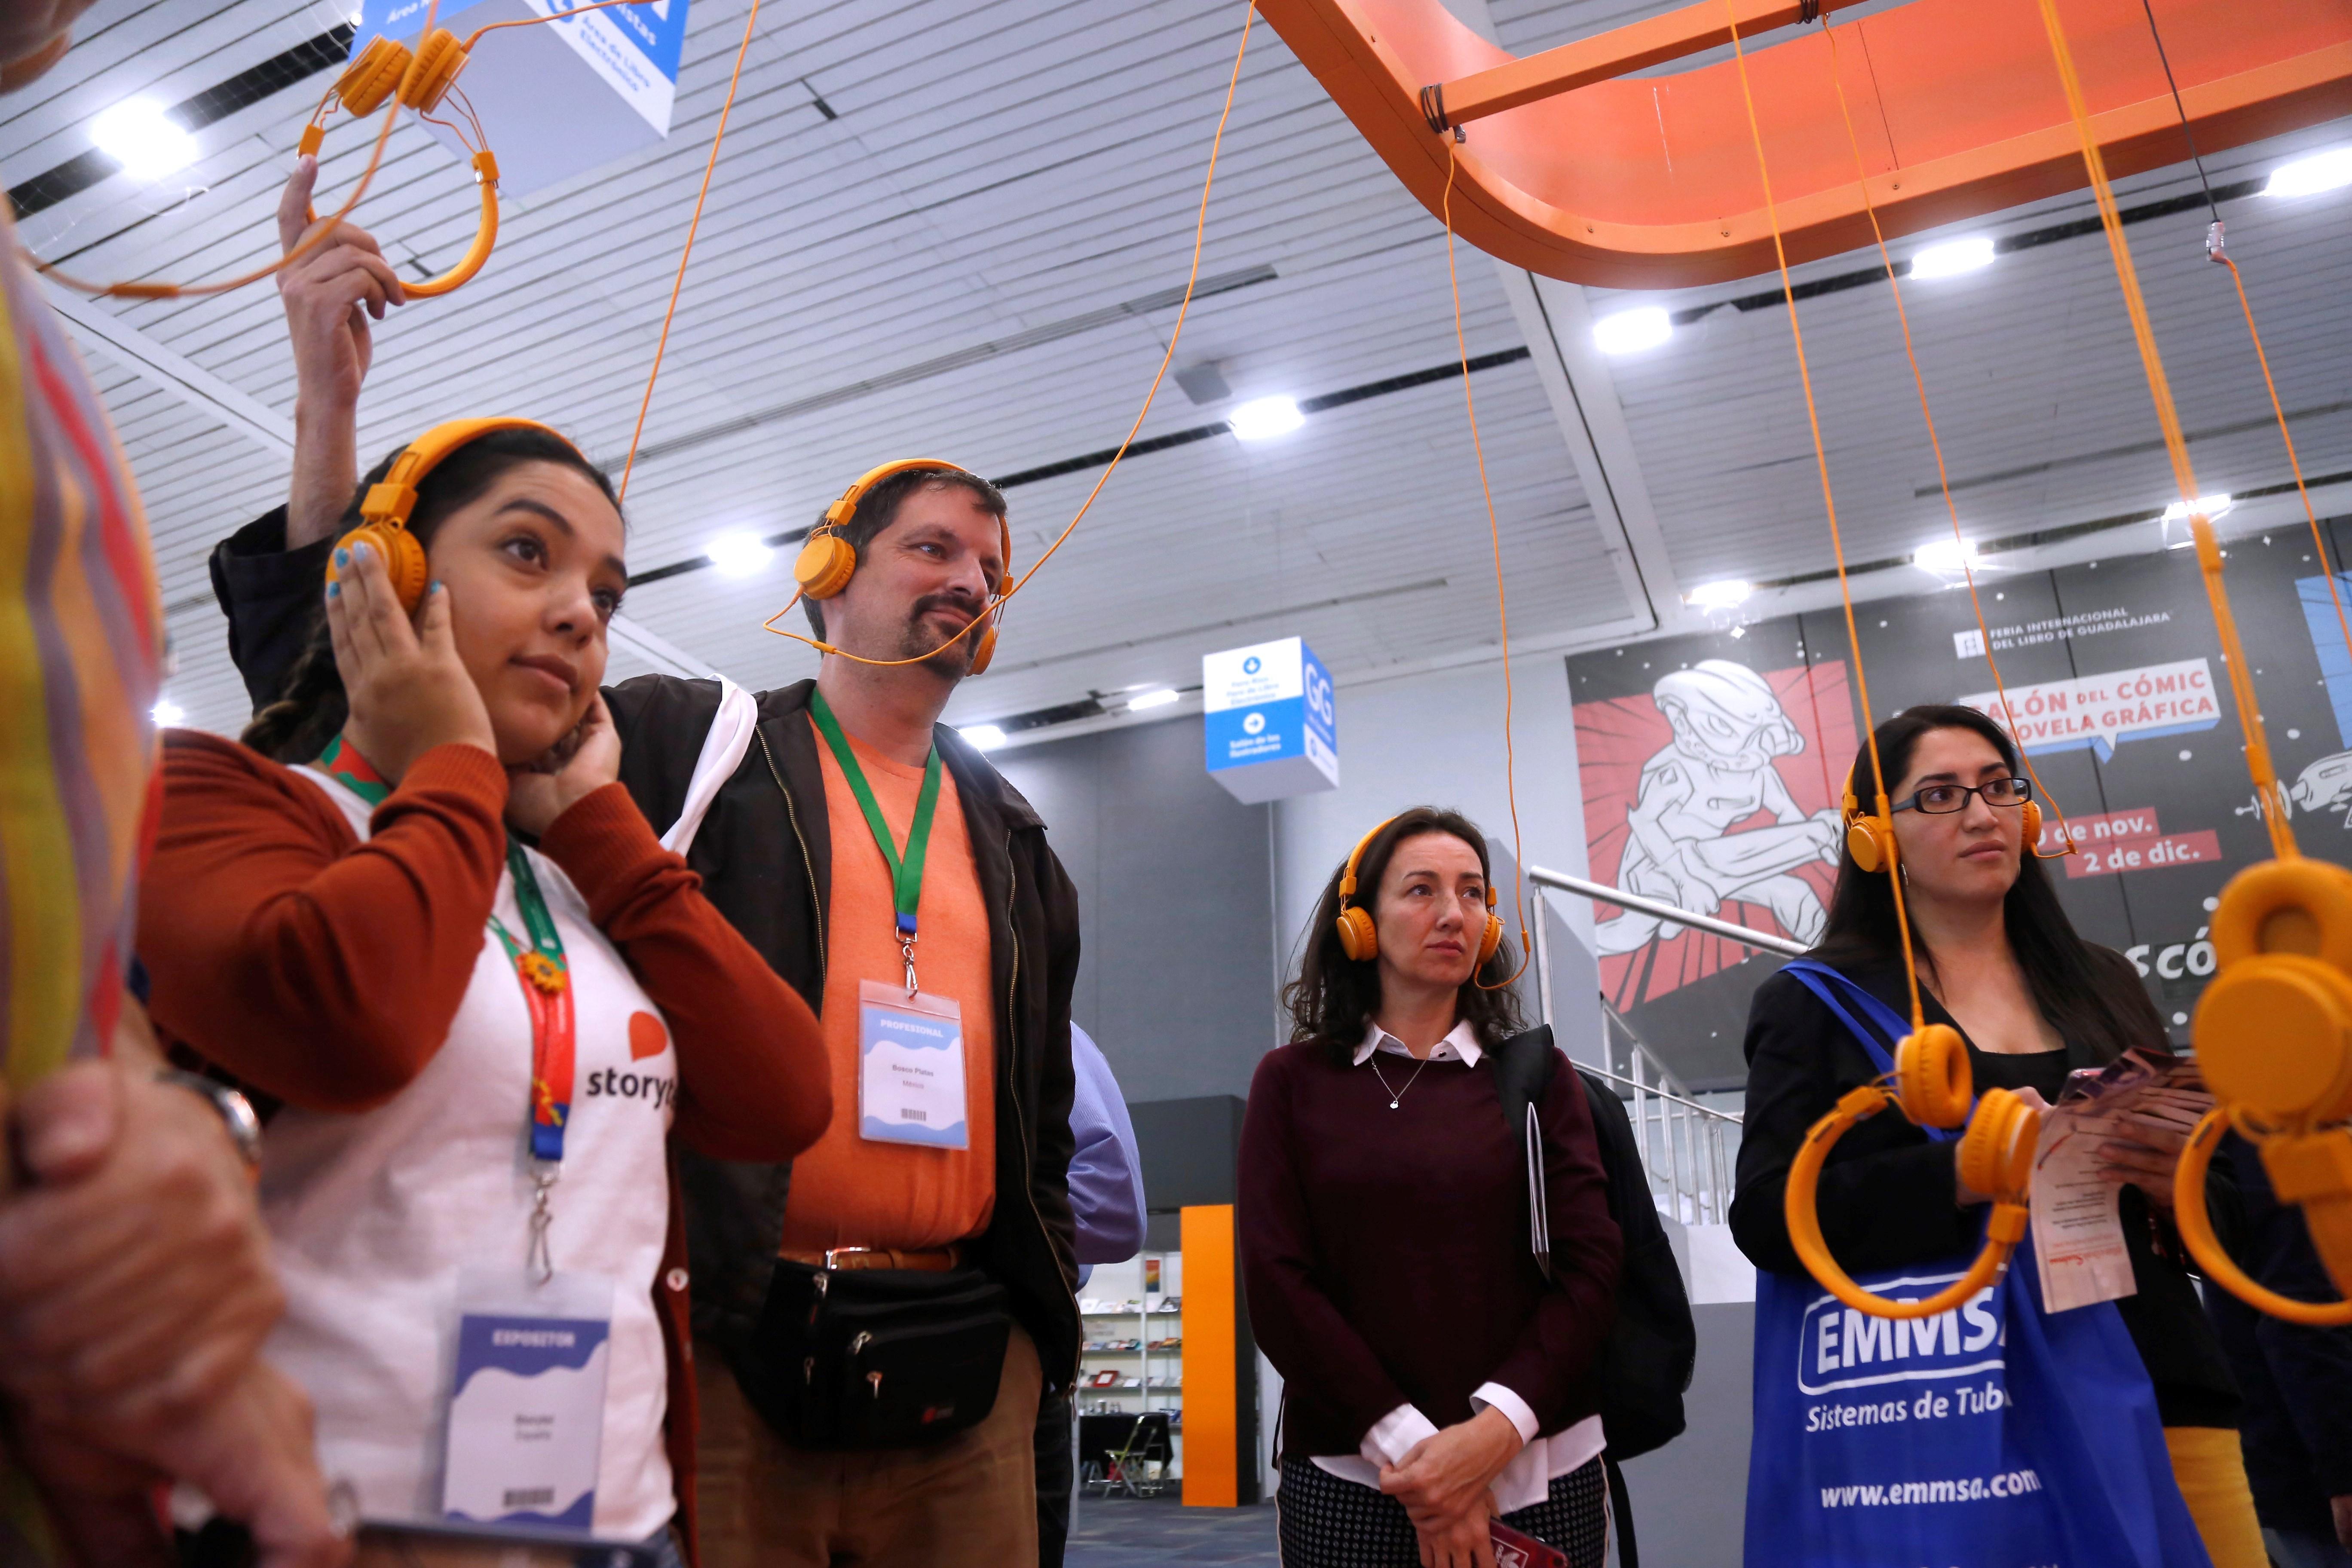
<point x="1359" y="938"/>
<point x="384" y="510"/>
<point x="827" y="561"/>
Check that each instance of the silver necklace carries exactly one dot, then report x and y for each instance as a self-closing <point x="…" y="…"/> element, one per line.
<point x="1396" y="1094"/>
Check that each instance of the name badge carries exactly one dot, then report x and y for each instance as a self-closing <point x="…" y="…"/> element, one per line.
<point x="910" y="1069"/>
<point x="526" y="1400"/>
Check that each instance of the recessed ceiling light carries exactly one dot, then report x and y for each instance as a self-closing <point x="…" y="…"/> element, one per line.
<point x="137" y="134"/>
<point x="1720" y="595"/>
<point x="1262" y="418"/>
<point x="2326" y="170"/>
<point x="168" y="714"/>
<point x="1953" y="258"/>
<point x="738" y="555"/>
<point x="987" y="737"/>
<point x="1159" y="699"/>
<point x="2211" y="506"/>
<point x="1947" y="555"/>
<point x="1631" y="332"/>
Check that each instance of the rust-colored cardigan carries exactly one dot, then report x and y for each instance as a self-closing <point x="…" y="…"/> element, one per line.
<point x="325" y="972"/>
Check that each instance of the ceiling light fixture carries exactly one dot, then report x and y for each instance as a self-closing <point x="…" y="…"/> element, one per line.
<point x="1946" y="555"/>
<point x="137" y="134"/>
<point x="169" y="714"/>
<point x="2329" y="171"/>
<point x="986" y="737"/>
<point x="1631" y="332"/>
<point x="2211" y="506"/>
<point x="1160" y="698"/>
<point x="739" y="554"/>
<point x="1262" y="418"/>
<point x="1723" y="595"/>
<point x="1953" y="258"/>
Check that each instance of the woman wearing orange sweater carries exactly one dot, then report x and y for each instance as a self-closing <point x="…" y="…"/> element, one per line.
<point x="415" y="910"/>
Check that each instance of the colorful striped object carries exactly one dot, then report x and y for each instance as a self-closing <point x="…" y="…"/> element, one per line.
<point x="81" y="667"/>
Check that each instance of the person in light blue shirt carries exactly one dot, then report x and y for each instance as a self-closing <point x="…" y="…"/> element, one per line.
<point x="1106" y="1201"/>
<point x="1106" y="1174"/>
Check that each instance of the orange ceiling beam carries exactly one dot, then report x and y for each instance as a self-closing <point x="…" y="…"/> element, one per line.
<point x="1573" y="169"/>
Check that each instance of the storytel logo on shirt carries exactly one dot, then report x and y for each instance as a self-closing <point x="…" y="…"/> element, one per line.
<point x="1843" y="1349"/>
<point x="648" y="1037"/>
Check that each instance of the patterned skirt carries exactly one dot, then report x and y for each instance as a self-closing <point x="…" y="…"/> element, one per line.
<point x="1328" y="1522"/>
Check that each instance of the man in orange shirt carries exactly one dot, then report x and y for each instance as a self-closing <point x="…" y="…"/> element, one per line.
<point x="879" y="1320"/>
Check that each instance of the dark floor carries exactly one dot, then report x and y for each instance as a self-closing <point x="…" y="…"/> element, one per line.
<point x="1162" y="1532"/>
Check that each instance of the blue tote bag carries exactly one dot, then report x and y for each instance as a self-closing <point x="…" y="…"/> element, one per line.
<point x="1994" y="1435"/>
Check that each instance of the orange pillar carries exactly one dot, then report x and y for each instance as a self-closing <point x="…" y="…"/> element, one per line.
<point x="1213" y="1426"/>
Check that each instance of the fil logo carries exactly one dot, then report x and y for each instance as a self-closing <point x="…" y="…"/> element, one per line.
<point x="1969" y="644"/>
<point x="1845" y="1349"/>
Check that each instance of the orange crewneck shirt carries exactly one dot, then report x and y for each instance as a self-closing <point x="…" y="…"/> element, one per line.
<point x="851" y="1191"/>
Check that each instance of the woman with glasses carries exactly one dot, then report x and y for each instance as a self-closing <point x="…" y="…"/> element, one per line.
<point x="1998" y="960"/>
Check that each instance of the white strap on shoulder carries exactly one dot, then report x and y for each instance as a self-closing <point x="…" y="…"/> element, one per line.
<point x="723" y="750"/>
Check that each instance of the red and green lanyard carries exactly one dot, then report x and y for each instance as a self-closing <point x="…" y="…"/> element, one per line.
<point x="906" y="874"/>
<point x="546" y="979"/>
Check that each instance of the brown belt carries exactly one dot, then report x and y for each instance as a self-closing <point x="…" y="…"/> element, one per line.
<point x="931" y="1259"/>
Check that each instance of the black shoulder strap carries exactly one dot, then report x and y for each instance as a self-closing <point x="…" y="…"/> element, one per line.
<point x="1523" y="1068"/>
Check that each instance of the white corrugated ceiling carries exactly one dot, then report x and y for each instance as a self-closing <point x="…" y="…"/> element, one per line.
<point x="1019" y="172"/>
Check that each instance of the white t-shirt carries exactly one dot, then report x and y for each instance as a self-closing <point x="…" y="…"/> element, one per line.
<point x="372" y="1216"/>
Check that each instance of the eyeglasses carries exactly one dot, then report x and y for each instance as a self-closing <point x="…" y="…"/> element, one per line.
<point x="1938" y="800"/>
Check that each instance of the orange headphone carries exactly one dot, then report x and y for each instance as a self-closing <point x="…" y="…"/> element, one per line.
<point x="421" y="81"/>
<point x="384" y="509"/>
<point x="1359" y="938"/>
<point x="828" y="560"/>
<point x="1870" y="838"/>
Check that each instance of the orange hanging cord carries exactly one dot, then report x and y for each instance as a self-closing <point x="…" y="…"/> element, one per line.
<point x="1996" y="1154"/>
<point x="1502" y="597"/>
<point x="1936" y="445"/>
<point x="1200" y="228"/>
<point x="2176" y="445"/>
<point x="684" y="255"/>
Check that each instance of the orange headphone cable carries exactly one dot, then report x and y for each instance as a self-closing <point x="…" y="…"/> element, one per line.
<point x="564" y="16"/>
<point x="1829" y="501"/>
<point x="318" y="235"/>
<point x="685" y="255"/>
<point x="2217" y="250"/>
<point x="1502" y="599"/>
<point x="1936" y="445"/>
<point x="2208" y="549"/>
<point x="1200" y="228"/>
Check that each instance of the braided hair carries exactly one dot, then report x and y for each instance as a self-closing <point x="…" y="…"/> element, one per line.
<point x="312" y="706"/>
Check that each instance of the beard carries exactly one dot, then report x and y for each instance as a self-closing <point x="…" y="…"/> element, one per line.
<point x="922" y="634"/>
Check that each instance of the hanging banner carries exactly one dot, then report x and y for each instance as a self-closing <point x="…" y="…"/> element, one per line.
<point x="1269" y="723"/>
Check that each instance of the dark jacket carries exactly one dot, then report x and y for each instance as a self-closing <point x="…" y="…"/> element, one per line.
<point x="2297" y="1429"/>
<point x="766" y="858"/>
<point x="1888" y="1195"/>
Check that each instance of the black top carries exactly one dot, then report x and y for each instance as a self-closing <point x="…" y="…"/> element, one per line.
<point x="1889" y="1195"/>
<point x="766" y="863"/>
<point x="2298" y="1381"/>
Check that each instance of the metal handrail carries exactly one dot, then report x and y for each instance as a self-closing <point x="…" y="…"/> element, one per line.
<point x="1657" y="1093"/>
<point x="1665" y="911"/>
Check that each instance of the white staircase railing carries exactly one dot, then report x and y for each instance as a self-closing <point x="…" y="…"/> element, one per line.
<point x="1688" y="1149"/>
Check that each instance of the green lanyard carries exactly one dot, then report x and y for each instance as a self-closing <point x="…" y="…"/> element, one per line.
<point x="905" y="875"/>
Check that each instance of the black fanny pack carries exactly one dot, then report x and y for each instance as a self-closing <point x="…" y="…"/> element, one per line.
<point x="878" y="1358"/>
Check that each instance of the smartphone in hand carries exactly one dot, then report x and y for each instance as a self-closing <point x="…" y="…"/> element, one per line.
<point x="1515" y="1548"/>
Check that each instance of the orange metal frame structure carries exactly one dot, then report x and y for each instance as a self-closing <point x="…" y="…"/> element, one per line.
<point x="1570" y="170"/>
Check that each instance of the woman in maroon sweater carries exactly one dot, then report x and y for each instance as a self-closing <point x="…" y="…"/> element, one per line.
<point x="1434" y="1378"/>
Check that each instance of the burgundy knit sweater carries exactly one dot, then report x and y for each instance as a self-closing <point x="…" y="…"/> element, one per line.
<point x="1385" y="1252"/>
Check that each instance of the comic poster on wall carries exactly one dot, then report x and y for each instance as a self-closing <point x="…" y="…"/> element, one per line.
<point x="1711" y="766"/>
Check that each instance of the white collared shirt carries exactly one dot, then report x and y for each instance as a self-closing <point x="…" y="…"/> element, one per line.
<point x="1527" y="1480"/>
